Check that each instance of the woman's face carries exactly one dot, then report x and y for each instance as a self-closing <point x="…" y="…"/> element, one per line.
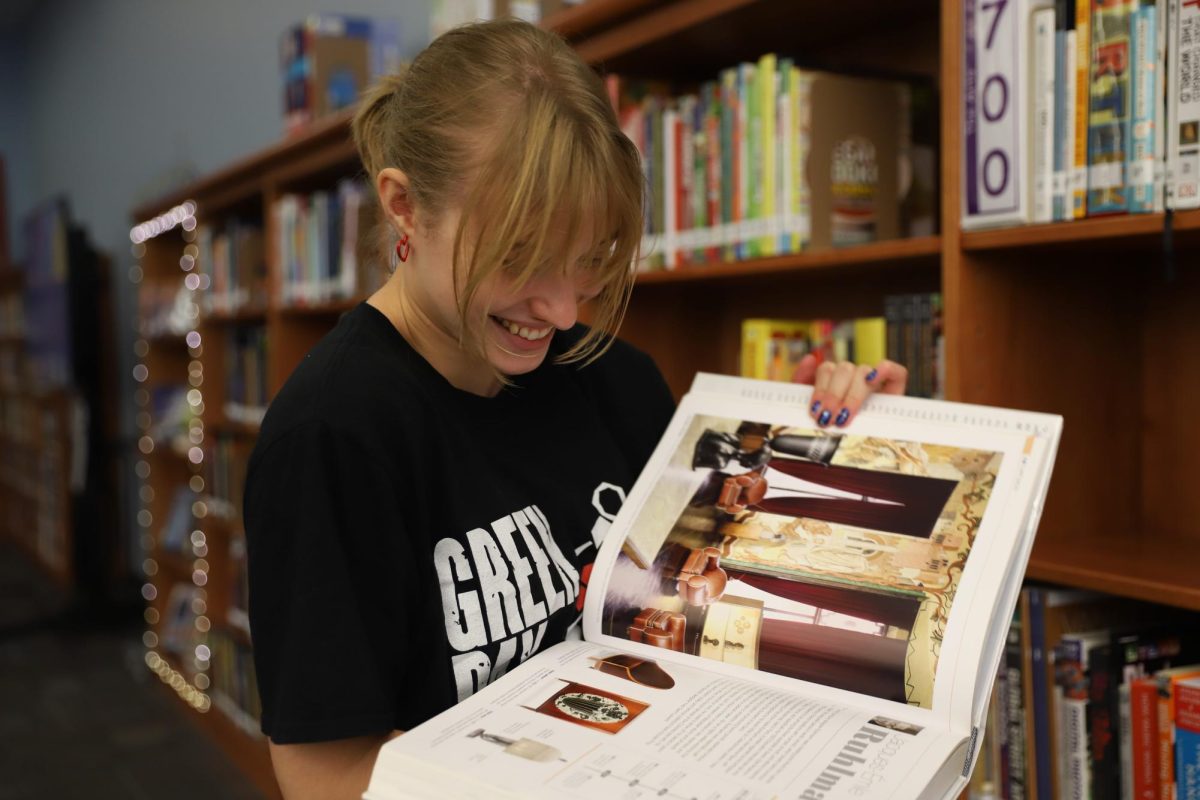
<point x="520" y="321"/>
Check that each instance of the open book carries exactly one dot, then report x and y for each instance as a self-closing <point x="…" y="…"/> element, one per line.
<point x="778" y="610"/>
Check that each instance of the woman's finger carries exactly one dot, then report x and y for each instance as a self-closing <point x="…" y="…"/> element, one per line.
<point x="889" y="378"/>
<point x="858" y="393"/>
<point x="821" y="383"/>
<point x="806" y="370"/>
<point x="833" y="400"/>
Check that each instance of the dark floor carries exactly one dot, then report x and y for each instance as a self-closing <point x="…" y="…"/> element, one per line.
<point x="80" y="714"/>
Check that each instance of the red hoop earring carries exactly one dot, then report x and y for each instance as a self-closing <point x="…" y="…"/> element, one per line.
<point x="402" y="248"/>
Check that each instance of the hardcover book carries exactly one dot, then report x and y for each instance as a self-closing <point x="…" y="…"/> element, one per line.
<point x="776" y="610"/>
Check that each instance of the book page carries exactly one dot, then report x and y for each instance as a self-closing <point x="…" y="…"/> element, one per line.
<point x="755" y="540"/>
<point x="590" y="722"/>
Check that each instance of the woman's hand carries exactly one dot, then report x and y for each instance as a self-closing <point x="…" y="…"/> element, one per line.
<point x="840" y="389"/>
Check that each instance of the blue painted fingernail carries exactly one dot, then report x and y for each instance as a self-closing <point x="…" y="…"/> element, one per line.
<point x="872" y="375"/>
<point x="842" y="416"/>
<point x="816" y="406"/>
<point x="824" y="418"/>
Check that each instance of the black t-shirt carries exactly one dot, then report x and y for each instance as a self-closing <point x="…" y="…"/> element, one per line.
<point x="410" y="542"/>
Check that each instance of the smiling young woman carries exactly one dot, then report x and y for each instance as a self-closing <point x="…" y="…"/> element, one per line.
<point x="423" y="502"/>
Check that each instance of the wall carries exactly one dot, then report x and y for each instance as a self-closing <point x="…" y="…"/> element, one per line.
<point x="115" y="102"/>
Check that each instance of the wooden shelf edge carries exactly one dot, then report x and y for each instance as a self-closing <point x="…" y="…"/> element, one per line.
<point x="652" y="26"/>
<point x="577" y="21"/>
<point x="874" y="254"/>
<point x="1126" y="567"/>
<point x="1097" y="229"/>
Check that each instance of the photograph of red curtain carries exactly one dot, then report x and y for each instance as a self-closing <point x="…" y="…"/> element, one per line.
<point x="912" y="508"/>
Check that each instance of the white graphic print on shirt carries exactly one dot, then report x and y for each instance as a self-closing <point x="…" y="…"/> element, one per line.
<point x="485" y="601"/>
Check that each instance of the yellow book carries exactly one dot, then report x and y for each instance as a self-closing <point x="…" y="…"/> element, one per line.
<point x="770" y="347"/>
<point x="768" y="87"/>
<point x="870" y="340"/>
<point x="1083" y="55"/>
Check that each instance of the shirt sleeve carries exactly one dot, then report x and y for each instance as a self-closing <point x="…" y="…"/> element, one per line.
<point x="327" y="613"/>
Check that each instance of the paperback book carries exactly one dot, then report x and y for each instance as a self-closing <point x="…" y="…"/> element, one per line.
<point x="777" y="610"/>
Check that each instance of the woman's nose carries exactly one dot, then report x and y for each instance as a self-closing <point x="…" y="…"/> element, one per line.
<point x="554" y="300"/>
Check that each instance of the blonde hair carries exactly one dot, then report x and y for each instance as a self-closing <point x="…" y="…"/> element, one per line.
<point x="505" y="119"/>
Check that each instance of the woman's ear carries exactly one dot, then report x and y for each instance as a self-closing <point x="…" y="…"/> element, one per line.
<point x="392" y="186"/>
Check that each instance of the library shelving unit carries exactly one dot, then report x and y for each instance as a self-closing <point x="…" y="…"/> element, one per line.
<point x="34" y="437"/>
<point x="1089" y="319"/>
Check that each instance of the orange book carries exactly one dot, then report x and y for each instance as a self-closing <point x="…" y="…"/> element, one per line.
<point x="1167" y="679"/>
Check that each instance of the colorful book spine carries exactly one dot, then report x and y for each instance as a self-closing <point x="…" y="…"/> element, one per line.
<point x="1109" y="110"/>
<point x="670" y="159"/>
<point x="1167" y="680"/>
<point x="1059" y="193"/>
<point x="785" y="154"/>
<point x="1143" y="54"/>
<point x="748" y="182"/>
<point x="1187" y="740"/>
<point x="1183" y="107"/>
<point x="768" y="89"/>
<point x="1143" y="713"/>
<point x="714" y="177"/>
<point x="729" y="173"/>
<point x="800" y="85"/>
<point x="1082" y="89"/>
<point x="1160" y="104"/>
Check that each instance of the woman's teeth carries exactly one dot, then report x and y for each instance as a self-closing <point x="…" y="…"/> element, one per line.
<point x="525" y="333"/>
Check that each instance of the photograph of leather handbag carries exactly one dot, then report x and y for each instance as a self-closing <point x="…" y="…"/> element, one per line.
<point x="641" y="671"/>
<point x="659" y="628"/>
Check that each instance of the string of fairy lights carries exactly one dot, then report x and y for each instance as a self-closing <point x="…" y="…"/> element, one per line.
<point x="187" y="313"/>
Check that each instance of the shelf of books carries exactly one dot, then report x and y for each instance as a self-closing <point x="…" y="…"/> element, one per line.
<point x="807" y="170"/>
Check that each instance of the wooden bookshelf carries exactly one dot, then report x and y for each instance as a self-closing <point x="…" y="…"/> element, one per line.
<point x="1079" y="318"/>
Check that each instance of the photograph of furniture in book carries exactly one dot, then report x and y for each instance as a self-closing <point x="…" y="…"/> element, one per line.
<point x="823" y="557"/>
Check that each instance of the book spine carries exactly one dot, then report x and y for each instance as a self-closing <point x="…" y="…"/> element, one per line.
<point x="1160" y="104"/>
<point x="670" y="165"/>
<point x="785" y="147"/>
<point x="1183" y="52"/>
<point x="1059" y="195"/>
<point x="1143" y="710"/>
<point x="768" y="87"/>
<point x="924" y="360"/>
<point x="729" y="176"/>
<point x="1125" y="740"/>
<point x="1015" y="786"/>
<point x="908" y="333"/>
<point x="1041" y="98"/>
<point x="746" y="158"/>
<point x="1187" y="741"/>
<point x="1104" y="678"/>
<point x="716" y="177"/>
<point x="995" y="134"/>
<point x="893" y="322"/>
<point x="1067" y="135"/>
<point x="1141" y="155"/>
<point x="1109" y="112"/>
<point x="1041" y="695"/>
<point x="1070" y="709"/>
<point x="803" y="133"/>
<point x="1083" y="61"/>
